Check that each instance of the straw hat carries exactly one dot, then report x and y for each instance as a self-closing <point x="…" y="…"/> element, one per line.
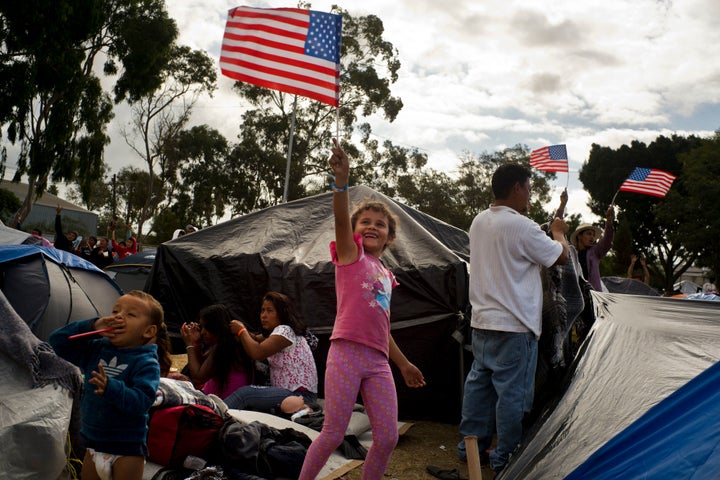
<point x="581" y="228"/>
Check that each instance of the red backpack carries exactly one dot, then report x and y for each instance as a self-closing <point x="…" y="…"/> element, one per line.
<point x="176" y="432"/>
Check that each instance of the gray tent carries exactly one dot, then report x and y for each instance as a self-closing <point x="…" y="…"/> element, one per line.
<point x="13" y="236"/>
<point x="50" y="288"/>
<point x="640" y="350"/>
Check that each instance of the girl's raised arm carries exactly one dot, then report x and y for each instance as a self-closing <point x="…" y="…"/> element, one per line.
<point x="346" y="248"/>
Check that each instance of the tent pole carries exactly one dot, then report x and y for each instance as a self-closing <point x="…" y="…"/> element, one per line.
<point x="289" y="154"/>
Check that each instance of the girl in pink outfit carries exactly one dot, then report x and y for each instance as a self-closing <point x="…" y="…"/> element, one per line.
<point x="361" y="343"/>
<point x="216" y="361"/>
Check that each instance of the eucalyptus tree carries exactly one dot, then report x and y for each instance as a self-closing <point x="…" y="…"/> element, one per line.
<point x="692" y="205"/>
<point x="160" y="115"/>
<point x="52" y="103"/>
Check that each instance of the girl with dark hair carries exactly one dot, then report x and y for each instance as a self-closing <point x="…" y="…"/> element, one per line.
<point x="293" y="374"/>
<point x="216" y="362"/>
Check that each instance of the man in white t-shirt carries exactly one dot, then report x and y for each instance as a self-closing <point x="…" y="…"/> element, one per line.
<point x="507" y="250"/>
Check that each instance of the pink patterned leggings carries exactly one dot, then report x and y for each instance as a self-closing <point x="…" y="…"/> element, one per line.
<point x="352" y="368"/>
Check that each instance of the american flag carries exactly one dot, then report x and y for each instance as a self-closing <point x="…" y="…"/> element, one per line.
<point x="288" y="49"/>
<point x="649" y="181"/>
<point x="550" y="159"/>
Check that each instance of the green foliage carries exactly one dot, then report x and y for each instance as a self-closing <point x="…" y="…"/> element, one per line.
<point x="197" y="168"/>
<point x="133" y="193"/>
<point x="692" y="207"/>
<point x="158" y="117"/>
<point x="458" y="200"/>
<point x="164" y="225"/>
<point x="51" y="101"/>
<point x="9" y="206"/>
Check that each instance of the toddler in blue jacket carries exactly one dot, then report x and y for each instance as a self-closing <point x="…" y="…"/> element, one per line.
<point x="121" y="369"/>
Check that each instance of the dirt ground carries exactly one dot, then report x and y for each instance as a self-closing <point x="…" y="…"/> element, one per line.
<point x="424" y="443"/>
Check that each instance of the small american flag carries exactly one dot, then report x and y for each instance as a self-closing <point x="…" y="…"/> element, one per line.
<point x="288" y="49"/>
<point x="550" y="159"/>
<point x="649" y="181"/>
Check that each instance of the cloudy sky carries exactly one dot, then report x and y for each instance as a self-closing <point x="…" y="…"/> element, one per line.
<point x="482" y="75"/>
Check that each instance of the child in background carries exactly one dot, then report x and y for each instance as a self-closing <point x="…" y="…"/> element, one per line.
<point x="217" y="363"/>
<point x="293" y="374"/>
<point x="122" y="373"/>
<point x="361" y="341"/>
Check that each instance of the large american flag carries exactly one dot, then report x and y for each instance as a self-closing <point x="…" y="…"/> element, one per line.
<point x="288" y="49"/>
<point x="649" y="181"/>
<point x="550" y="159"/>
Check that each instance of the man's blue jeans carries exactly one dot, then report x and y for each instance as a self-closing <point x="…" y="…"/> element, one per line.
<point x="498" y="391"/>
<point x="264" y="399"/>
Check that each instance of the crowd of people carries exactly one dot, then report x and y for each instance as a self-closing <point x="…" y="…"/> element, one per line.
<point x="100" y="250"/>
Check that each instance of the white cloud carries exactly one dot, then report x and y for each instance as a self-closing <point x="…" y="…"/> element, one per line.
<point x="478" y="76"/>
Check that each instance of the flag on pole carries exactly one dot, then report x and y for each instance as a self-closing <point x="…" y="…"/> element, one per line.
<point x="288" y="49"/>
<point x="550" y="159"/>
<point x="649" y="181"/>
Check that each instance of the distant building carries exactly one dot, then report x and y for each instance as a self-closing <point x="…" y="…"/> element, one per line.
<point x="699" y="276"/>
<point x="42" y="214"/>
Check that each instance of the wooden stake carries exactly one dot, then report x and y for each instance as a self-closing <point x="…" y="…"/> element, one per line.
<point x="473" y="457"/>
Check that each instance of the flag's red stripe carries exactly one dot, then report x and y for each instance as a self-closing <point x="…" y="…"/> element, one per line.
<point x="269" y="14"/>
<point x="331" y="100"/>
<point x="237" y="53"/>
<point x="644" y="190"/>
<point x="290" y="76"/>
<point x="280" y="32"/>
<point x="551" y="166"/>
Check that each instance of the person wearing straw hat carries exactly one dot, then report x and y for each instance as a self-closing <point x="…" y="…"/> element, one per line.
<point x="590" y="253"/>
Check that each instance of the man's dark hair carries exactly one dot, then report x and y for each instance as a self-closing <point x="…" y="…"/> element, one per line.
<point x="506" y="176"/>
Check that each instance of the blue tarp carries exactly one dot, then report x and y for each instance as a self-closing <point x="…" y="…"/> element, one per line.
<point x="13" y="252"/>
<point x="678" y="438"/>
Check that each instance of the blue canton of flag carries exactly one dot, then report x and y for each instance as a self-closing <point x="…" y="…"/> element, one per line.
<point x="323" y="37"/>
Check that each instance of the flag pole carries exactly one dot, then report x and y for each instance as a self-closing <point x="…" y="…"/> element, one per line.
<point x="613" y="199"/>
<point x="337" y="122"/>
<point x="289" y="153"/>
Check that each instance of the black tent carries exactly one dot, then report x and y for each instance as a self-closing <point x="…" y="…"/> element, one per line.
<point x="131" y="272"/>
<point x="286" y="248"/>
